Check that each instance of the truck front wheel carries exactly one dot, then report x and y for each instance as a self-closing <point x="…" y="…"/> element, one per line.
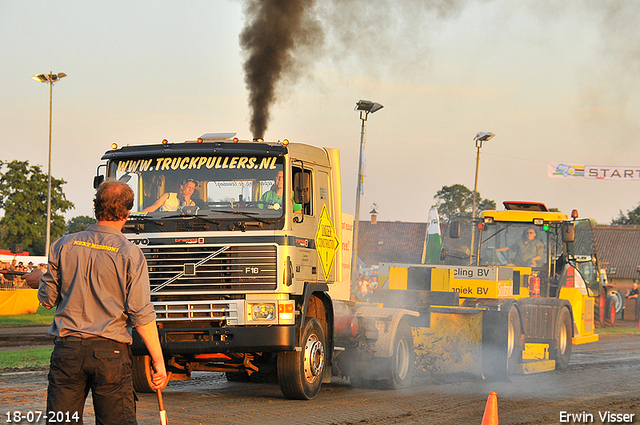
<point x="300" y="372"/>
<point x="514" y="341"/>
<point x="142" y="372"/>
<point x="562" y="352"/>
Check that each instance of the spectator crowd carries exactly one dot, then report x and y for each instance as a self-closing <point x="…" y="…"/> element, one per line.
<point x="17" y="275"/>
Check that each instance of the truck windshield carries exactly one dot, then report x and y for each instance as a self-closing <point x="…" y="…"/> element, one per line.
<point x="214" y="186"/>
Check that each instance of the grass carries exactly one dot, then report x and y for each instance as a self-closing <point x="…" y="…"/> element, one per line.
<point x="25" y="358"/>
<point x="618" y="331"/>
<point x="41" y="317"/>
<point x="20" y="359"/>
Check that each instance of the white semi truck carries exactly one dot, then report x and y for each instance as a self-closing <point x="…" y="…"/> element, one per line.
<point x="247" y="286"/>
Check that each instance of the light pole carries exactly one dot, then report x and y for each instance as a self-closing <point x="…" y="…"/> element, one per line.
<point x="49" y="79"/>
<point x="365" y="107"/>
<point x="480" y="138"/>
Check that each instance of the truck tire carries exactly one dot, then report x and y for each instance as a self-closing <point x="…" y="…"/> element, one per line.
<point x="619" y="300"/>
<point x="514" y="341"/>
<point x="142" y="373"/>
<point x="563" y="334"/>
<point x="399" y="368"/>
<point x="300" y="372"/>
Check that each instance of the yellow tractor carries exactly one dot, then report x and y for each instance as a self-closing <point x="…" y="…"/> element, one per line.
<point x="530" y="275"/>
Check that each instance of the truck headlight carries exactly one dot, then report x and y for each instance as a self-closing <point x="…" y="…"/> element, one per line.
<point x="263" y="311"/>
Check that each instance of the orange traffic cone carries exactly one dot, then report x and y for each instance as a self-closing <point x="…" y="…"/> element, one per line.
<point x="490" y="416"/>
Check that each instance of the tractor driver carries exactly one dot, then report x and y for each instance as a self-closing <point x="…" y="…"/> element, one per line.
<point x="528" y="249"/>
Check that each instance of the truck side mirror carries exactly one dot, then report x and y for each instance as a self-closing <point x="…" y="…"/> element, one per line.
<point x="568" y="232"/>
<point x="455" y="228"/>
<point x="301" y="188"/>
<point x="97" y="181"/>
<point x="99" y="178"/>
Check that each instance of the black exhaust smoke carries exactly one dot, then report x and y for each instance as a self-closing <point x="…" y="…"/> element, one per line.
<point x="276" y="33"/>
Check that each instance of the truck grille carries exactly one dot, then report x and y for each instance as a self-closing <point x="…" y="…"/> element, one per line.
<point x="230" y="313"/>
<point x="197" y="291"/>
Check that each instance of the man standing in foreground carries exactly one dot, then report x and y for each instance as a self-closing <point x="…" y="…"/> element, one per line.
<point x="100" y="284"/>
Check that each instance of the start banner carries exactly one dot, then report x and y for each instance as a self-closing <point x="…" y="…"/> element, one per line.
<point x="601" y="172"/>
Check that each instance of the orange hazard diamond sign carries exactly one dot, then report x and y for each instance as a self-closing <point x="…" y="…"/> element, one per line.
<point x="327" y="243"/>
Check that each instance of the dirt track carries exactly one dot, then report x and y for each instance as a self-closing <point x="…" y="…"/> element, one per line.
<point x="23" y="337"/>
<point x="602" y="377"/>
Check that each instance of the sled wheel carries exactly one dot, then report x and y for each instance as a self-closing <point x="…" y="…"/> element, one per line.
<point x="400" y="366"/>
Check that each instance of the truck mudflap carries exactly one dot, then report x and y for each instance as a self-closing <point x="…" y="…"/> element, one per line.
<point x="239" y="339"/>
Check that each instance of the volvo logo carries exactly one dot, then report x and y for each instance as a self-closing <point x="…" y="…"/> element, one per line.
<point x="190" y="269"/>
<point x="140" y="241"/>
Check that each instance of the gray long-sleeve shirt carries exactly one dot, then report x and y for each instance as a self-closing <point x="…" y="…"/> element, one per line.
<point x="100" y="284"/>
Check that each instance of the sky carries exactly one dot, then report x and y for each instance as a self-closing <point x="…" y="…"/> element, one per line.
<point x="554" y="81"/>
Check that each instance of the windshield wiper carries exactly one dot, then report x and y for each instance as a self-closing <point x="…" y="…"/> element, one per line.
<point x="246" y="214"/>
<point x="145" y="218"/>
<point x="196" y="216"/>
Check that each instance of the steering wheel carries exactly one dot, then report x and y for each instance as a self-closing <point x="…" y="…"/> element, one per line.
<point x="503" y="258"/>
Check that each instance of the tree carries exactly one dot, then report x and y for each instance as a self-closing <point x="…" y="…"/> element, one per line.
<point x="78" y="224"/>
<point x="457" y="200"/>
<point x="23" y="198"/>
<point x="631" y="218"/>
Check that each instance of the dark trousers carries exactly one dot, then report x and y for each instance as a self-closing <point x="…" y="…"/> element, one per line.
<point x="97" y="364"/>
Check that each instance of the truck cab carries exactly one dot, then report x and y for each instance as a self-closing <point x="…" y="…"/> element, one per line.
<point x="241" y="246"/>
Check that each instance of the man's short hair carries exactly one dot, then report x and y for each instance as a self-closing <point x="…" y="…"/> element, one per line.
<point x="113" y="201"/>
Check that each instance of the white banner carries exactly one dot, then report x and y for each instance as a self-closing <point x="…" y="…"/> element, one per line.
<point x="558" y="170"/>
<point x="601" y="172"/>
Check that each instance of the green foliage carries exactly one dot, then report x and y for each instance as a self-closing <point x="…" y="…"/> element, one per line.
<point x="618" y="330"/>
<point x="25" y="358"/>
<point x="23" y="197"/>
<point x="457" y="200"/>
<point x="631" y="218"/>
<point x="42" y="316"/>
<point x="78" y="224"/>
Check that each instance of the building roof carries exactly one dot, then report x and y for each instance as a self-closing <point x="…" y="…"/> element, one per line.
<point x="402" y="242"/>
<point x="391" y="242"/>
<point x="619" y="250"/>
